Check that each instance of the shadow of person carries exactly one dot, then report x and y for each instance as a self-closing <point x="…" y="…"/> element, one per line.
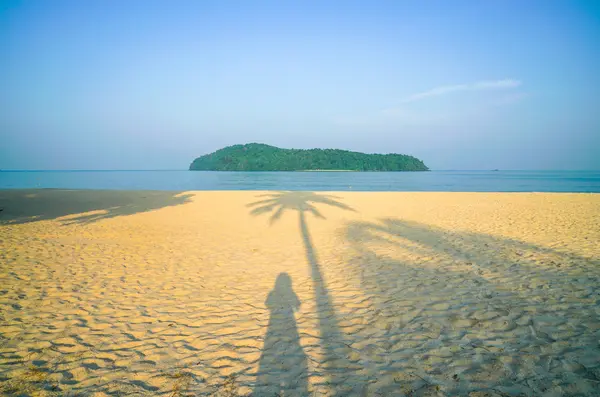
<point x="283" y="366"/>
<point x="344" y="377"/>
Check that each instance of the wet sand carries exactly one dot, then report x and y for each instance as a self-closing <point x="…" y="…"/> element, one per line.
<point x="265" y="293"/>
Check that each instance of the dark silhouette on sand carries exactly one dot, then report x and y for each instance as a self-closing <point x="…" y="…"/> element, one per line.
<point x="337" y="366"/>
<point x="283" y="365"/>
<point x="81" y="206"/>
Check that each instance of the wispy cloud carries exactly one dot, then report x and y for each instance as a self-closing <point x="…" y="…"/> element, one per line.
<point x="477" y="86"/>
<point x="452" y="113"/>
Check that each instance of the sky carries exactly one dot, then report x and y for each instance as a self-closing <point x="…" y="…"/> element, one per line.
<point x="462" y="85"/>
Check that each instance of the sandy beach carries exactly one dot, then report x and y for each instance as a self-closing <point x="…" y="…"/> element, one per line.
<point x="145" y="293"/>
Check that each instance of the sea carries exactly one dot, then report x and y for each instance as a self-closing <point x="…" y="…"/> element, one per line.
<point x="179" y="180"/>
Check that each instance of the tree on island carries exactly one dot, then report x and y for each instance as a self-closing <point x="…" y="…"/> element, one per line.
<point x="260" y="157"/>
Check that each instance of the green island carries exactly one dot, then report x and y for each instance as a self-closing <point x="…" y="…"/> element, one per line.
<point x="261" y="157"/>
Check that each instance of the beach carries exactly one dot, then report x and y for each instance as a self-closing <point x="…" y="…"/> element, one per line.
<point x="261" y="293"/>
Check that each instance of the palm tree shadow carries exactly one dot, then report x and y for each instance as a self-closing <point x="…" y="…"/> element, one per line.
<point x="338" y="368"/>
<point x="442" y="284"/>
<point x="81" y="206"/>
<point x="303" y="202"/>
<point x="495" y="256"/>
<point x="283" y="364"/>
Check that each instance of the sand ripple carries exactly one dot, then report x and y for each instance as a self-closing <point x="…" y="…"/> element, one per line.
<point x="365" y="294"/>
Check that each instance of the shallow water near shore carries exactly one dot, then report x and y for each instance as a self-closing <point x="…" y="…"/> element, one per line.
<point x="452" y="181"/>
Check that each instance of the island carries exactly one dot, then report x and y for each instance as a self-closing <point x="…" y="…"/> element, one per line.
<point x="261" y="157"/>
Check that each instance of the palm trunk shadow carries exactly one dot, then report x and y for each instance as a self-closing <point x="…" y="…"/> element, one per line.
<point x="336" y="363"/>
<point x="341" y="373"/>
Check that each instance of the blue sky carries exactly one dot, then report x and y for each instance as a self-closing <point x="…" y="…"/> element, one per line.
<point x="153" y="84"/>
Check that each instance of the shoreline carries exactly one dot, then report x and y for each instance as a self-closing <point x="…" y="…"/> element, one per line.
<point x="33" y="189"/>
<point x="335" y="171"/>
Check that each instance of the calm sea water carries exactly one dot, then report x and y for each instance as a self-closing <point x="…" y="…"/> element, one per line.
<point x="465" y="181"/>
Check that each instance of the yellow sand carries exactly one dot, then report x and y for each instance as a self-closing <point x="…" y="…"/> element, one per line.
<point x="205" y="293"/>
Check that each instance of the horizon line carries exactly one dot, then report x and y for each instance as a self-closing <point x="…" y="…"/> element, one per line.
<point x="186" y="169"/>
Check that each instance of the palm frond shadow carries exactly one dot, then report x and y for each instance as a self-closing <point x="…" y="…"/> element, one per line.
<point x="337" y="367"/>
<point x="463" y="298"/>
<point x="303" y="202"/>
